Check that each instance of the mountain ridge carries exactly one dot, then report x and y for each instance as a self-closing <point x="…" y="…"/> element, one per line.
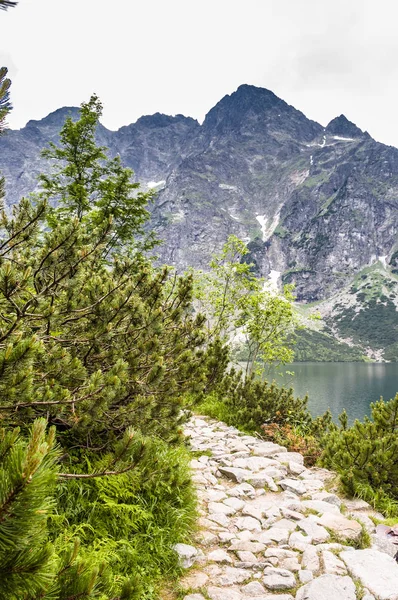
<point x="316" y="205"/>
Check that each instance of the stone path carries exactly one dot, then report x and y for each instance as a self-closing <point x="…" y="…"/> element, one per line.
<point x="270" y="530"/>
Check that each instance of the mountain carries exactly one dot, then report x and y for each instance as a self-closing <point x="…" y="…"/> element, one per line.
<point x="316" y="206"/>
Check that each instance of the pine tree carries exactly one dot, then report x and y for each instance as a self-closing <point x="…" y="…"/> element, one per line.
<point x="365" y="454"/>
<point x="5" y="4"/>
<point x="5" y="107"/>
<point x="92" y="335"/>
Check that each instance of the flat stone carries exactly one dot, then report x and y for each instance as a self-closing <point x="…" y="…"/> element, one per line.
<point x="332" y="564"/>
<point x="251" y="511"/>
<point x="321" y="507"/>
<point x="297" y="487"/>
<point x="220" y="593"/>
<point x="194" y="597"/>
<point x="221" y="508"/>
<point x="327" y="497"/>
<point x="194" y="580"/>
<point x="234" y="473"/>
<point x="287" y="457"/>
<point x="254" y="588"/>
<point x="248" y="523"/>
<point x="225" y="536"/>
<point x="246" y="556"/>
<point x="345" y="529"/>
<point x="274" y="534"/>
<point x="247" y="546"/>
<point x="318" y="533"/>
<point x="232" y="575"/>
<point x="219" y="556"/>
<point x="295" y="468"/>
<point x="235" y="503"/>
<point x="186" y="555"/>
<point x="216" y="495"/>
<point x="305" y="576"/>
<point x="310" y="559"/>
<point x="255" y="463"/>
<point x="262" y="480"/>
<point x="242" y="490"/>
<point x="328" y="587"/>
<point x="219" y="518"/>
<point x="377" y="571"/>
<point x="298" y="541"/>
<point x="278" y="579"/>
<point x="267" y="449"/>
<point x="286" y="524"/>
<point x="206" y="538"/>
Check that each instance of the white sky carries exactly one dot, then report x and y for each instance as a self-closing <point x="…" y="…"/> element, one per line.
<point x="325" y="57"/>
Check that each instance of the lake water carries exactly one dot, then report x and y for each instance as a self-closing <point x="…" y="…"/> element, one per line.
<point x="339" y="386"/>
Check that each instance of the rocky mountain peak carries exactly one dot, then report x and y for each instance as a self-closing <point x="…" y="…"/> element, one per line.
<point x="56" y="118"/>
<point x="341" y="126"/>
<point x="251" y="109"/>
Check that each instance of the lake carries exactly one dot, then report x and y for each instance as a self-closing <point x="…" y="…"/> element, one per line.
<point x="338" y="386"/>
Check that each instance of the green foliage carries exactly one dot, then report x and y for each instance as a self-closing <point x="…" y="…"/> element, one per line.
<point x="104" y="346"/>
<point x="366" y="454"/>
<point x="375" y="324"/>
<point x="249" y="403"/>
<point x="317" y="346"/>
<point x="92" y="336"/>
<point x="238" y="303"/>
<point x="27" y="478"/>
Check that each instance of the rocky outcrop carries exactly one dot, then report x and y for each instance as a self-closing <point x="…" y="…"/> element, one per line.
<point x="268" y="528"/>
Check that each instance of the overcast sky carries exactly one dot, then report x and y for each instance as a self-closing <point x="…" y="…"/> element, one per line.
<point x="325" y="57"/>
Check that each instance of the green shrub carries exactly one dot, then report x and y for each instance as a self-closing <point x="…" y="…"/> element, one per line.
<point x="249" y="403"/>
<point x="366" y="454"/>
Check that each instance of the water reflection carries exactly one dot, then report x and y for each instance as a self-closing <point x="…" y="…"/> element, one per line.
<point x="339" y="386"/>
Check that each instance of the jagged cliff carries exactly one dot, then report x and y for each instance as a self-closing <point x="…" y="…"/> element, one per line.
<point x="317" y="206"/>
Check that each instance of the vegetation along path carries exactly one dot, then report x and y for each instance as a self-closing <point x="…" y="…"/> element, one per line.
<point x="270" y="529"/>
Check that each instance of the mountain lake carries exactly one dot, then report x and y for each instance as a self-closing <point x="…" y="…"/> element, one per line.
<point x="347" y="385"/>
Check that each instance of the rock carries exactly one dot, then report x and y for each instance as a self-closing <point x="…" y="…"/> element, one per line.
<point x="377" y="571"/>
<point x="218" y="593"/>
<point x="316" y="532"/>
<point x="310" y="559"/>
<point x="247" y="546"/>
<point x="278" y="579"/>
<point x="186" y="555"/>
<point x="262" y="480"/>
<point x="194" y="597"/>
<point x="267" y="449"/>
<point x="225" y="536"/>
<point x="332" y="564"/>
<point x="251" y="511"/>
<point x="298" y="541"/>
<point x="247" y="557"/>
<point x="216" y="495"/>
<point x="321" y="506"/>
<point x="327" y="497"/>
<point x="305" y="576"/>
<point x="345" y="529"/>
<point x="232" y="575"/>
<point x="328" y="587"/>
<point x="286" y="457"/>
<point x="235" y="503"/>
<point x="254" y="588"/>
<point x="219" y="556"/>
<point x="248" y="523"/>
<point x="221" y="508"/>
<point x="219" y="518"/>
<point x="274" y="534"/>
<point x="194" y="580"/>
<point x="297" y="487"/>
<point x="295" y="468"/>
<point x="242" y="490"/>
<point x="207" y="538"/>
<point x="234" y="473"/>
